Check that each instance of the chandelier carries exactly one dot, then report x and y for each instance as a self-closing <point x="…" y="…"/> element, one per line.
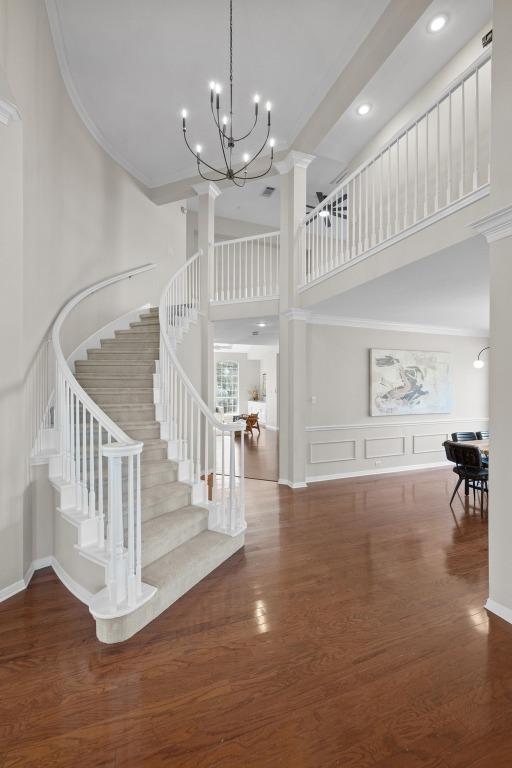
<point x="235" y="171"/>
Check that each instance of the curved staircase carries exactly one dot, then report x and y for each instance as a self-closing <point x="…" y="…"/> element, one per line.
<point x="178" y="550"/>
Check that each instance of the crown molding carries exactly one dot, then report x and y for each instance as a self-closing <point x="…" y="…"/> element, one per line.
<point x="207" y="188"/>
<point x="495" y="226"/>
<point x="60" y="51"/>
<point x="294" y="159"/>
<point x="8" y="112"/>
<point x="296" y="313"/>
<point x="360" y="322"/>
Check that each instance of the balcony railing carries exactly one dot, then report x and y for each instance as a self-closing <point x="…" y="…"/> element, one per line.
<point x="436" y="164"/>
<point x="246" y="269"/>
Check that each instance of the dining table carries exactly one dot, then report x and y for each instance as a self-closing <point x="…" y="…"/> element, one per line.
<point x="483" y="445"/>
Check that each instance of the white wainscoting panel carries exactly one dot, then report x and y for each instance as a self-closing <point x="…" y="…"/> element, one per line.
<point x="379" y="445"/>
<point x="326" y="451"/>
<point x="431" y="443"/>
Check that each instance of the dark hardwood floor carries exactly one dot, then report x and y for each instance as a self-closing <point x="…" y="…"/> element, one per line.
<point x="261" y="459"/>
<point x="350" y="632"/>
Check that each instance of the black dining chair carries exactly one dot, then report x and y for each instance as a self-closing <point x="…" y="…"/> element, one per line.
<point x="468" y="467"/>
<point x="484" y="435"/>
<point x="460" y="437"/>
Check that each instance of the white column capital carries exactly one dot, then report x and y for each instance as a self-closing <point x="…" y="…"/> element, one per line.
<point x="297" y="313"/>
<point x="495" y="226"/>
<point x="207" y="188"/>
<point x="294" y="159"/>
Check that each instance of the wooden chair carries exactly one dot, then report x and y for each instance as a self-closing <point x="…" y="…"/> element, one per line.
<point x="251" y="423"/>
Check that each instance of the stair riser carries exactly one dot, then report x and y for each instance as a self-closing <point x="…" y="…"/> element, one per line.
<point x="153" y="454"/>
<point x="129" y="342"/>
<point x="141" y="433"/>
<point x="176" y="501"/>
<point x="114" y="369"/>
<point x="146" y="481"/>
<point x="158" y="478"/>
<point x="125" y="396"/>
<point x="144" y="412"/>
<point x="172" y="539"/>
<point x="150" y="323"/>
<point x="121" y="356"/>
<point x="116" y="382"/>
<point x="148" y="331"/>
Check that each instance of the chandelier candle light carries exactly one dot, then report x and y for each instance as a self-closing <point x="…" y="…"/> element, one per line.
<point x="236" y="172"/>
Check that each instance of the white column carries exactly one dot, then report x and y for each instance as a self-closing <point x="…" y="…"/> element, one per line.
<point x="207" y="192"/>
<point x="497" y="228"/>
<point x="292" y="324"/>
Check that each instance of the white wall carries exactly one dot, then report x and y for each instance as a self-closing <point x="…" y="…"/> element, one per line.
<point x="268" y="364"/>
<point x="342" y="437"/>
<point x="80" y="218"/>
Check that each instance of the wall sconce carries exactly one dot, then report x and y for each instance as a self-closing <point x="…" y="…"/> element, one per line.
<point x="478" y="363"/>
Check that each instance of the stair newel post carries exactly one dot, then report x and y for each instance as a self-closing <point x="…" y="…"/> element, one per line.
<point x="138" y="526"/>
<point x="241" y="522"/>
<point x="232" y="499"/>
<point x="117" y="569"/>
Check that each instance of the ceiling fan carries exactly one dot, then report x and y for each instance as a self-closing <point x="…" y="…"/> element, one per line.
<point x="337" y="207"/>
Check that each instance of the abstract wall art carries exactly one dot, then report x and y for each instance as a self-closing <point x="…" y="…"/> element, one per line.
<point x="404" y="382"/>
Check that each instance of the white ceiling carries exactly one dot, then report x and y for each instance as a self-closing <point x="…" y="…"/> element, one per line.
<point x="240" y="331"/>
<point x="131" y="66"/>
<point x="412" y="64"/>
<point x="447" y="290"/>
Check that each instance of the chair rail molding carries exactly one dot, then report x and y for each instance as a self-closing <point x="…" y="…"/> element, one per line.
<point x="495" y="226"/>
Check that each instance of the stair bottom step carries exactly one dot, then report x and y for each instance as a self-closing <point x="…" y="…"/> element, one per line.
<point x="174" y="574"/>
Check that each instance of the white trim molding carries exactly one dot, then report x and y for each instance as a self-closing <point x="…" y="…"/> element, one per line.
<point x="296" y="313"/>
<point x="8" y="112"/>
<point x="294" y="159"/>
<point x="207" y="188"/>
<point x="495" y="226"/>
<point x="381" y="471"/>
<point x="383" y="325"/>
<point x="499" y="610"/>
<point x="370" y="425"/>
<point x="60" y="50"/>
<point x="293" y="486"/>
<point x="76" y="589"/>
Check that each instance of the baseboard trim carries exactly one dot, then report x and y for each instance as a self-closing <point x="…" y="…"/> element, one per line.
<point x="12" y="590"/>
<point x="294" y="486"/>
<point x="81" y="593"/>
<point x="270" y="428"/>
<point x="499" y="610"/>
<point x="382" y="471"/>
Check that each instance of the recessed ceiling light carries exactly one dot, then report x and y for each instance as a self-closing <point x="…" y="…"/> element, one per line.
<point x="363" y="109"/>
<point x="261" y="325"/>
<point x="437" y="23"/>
